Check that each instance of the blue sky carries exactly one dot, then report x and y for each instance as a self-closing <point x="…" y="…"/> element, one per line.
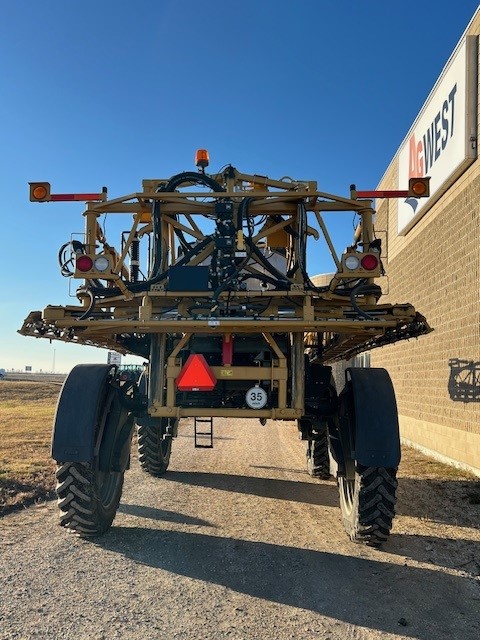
<point x="107" y="93"/>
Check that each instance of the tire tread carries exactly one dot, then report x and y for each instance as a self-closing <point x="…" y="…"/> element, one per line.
<point x="81" y="510"/>
<point x="150" y="454"/>
<point x="318" y="459"/>
<point x="376" y="508"/>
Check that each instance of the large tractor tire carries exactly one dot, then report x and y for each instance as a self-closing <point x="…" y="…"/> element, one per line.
<point x="154" y="444"/>
<point x="318" y="459"/>
<point x="89" y="487"/>
<point x="87" y="498"/>
<point x="367" y="438"/>
<point x="368" y="504"/>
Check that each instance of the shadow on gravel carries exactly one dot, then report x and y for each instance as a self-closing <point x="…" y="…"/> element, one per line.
<point x="191" y="437"/>
<point x="455" y="502"/>
<point x="160" y="514"/>
<point x="305" y="492"/>
<point x="371" y="594"/>
<point x="460" y="554"/>
<point x="302" y="472"/>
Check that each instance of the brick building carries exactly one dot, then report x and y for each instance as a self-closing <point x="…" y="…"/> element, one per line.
<point x="433" y="251"/>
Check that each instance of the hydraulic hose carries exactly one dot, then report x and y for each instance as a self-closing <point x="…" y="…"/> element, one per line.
<point x="366" y="289"/>
<point x="187" y="177"/>
<point x="192" y="177"/>
<point x="64" y="262"/>
<point x="302" y="258"/>
<point x="144" y="286"/>
<point x="278" y="275"/>
<point x="91" y="306"/>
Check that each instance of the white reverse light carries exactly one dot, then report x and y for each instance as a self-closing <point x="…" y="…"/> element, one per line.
<point x="101" y="263"/>
<point x="352" y="262"/>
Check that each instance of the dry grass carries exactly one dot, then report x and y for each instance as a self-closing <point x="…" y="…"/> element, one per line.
<point x="26" y="469"/>
<point x="415" y="464"/>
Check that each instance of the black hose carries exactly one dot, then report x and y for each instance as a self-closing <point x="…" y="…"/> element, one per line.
<point x="91" y="306"/>
<point x="302" y="257"/>
<point x="243" y="215"/>
<point x="144" y="286"/>
<point x="157" y="240"/>
<point x="192" y="177"/>
<point x="64" y="263"/>
<point x="280" y="277"/>
<point x="259" y="276"/>
<point x="367" y="289"/>
<point x="343" y="290"/>
<point x="187" y="177"/>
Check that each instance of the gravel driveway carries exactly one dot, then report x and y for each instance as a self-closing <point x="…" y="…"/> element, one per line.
<point x="239" y="542"/>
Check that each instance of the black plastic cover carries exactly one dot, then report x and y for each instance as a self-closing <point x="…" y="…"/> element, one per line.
<point x="188" y="278"/>
<point x="76" y="415"/>
<point x="377" y="437"/>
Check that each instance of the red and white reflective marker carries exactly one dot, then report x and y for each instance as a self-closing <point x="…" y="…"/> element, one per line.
<point x="196" y="375"/>
<point x="227" y="350"/>
<point x="82" y="197"/>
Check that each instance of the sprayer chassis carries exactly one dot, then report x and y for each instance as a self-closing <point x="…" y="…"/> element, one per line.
<point x="238" y="302"/>
<point x="157" y="324"/>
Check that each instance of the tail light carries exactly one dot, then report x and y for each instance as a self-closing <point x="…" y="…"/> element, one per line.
<point x="84" y="263"/>
<point x="356" y="264"/>
<point x="369" y="262"/>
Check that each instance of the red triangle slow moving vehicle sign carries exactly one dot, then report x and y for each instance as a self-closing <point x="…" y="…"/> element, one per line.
<point x="196" y="375"/>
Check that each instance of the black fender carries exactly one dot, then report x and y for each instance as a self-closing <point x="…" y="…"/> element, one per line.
<point x="368" y="421"/>
<point x="91" y="420"/>
<point x="113" y="444"/>
<point x="77" y="412"/>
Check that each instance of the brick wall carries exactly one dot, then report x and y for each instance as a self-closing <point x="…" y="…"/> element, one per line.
<point x="439" y="273"/>
<point x="436" y="267"/>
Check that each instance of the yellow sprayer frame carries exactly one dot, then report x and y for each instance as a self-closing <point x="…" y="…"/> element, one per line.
<point x="319" y="321"/>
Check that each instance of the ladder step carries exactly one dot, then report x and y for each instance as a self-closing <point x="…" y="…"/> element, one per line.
<point x="202" y="436"/>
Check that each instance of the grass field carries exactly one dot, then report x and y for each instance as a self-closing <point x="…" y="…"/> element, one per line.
<point x="26" y="469"/>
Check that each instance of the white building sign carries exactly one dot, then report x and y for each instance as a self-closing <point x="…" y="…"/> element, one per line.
<point x="442" y="141"/>
<point x="114" y="358"/>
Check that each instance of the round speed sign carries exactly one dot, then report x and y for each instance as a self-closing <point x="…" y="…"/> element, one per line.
<point x="256" y="398"/>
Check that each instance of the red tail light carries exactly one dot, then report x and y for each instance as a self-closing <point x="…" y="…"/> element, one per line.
<point x="369" y="262"/>
<point x="84" y="263"/>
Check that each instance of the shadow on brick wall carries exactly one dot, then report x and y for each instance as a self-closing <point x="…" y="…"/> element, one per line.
<point x="464" y="380"/>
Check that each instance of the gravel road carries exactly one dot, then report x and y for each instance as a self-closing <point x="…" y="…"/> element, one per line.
<point x="239" y="542"/>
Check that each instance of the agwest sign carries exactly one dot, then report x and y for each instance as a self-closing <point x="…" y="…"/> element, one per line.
<point x="442" y="141"/>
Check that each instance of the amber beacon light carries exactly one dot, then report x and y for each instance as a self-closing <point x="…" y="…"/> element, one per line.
<point x="39" y="191"/>
<point x="419" y="187"/>
<point x="202" y="159"/>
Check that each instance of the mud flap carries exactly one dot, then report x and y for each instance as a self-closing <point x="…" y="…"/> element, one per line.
<point x="114" y="448"/>
<point x="376" y="438"/>
<point x="77" y="412"/>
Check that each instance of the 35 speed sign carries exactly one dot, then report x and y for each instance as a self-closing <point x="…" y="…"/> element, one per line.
<point x="256" y="398"/>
